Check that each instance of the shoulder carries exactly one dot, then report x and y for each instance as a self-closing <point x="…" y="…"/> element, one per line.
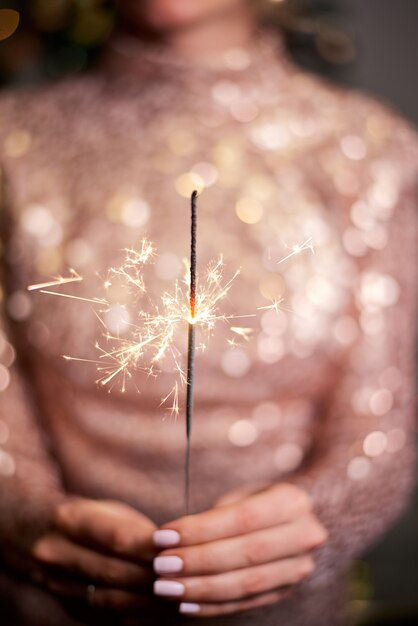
<point x="358" y="133"/>
<point x="386" y="136"/>
<point x="30" y="112"/>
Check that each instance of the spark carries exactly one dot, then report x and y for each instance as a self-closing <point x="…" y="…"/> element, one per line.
<point x="274" y="306"/>
<point x="58" y="281"/>
<point x="174" y="395"/>
<point x="297" y="248"/>
<point x="159" y="325"/>
<point x="72" y="297"/>
<point x="242" y="332"/>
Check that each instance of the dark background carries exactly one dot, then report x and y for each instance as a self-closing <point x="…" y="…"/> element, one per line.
<point x="366" y="44"/>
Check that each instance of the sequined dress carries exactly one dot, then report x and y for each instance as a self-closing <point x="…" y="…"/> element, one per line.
<point x="319" y="391"/>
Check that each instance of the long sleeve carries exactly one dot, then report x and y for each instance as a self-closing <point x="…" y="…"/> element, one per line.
<point x="29" y="479"/>
<point x="361" y="470"/>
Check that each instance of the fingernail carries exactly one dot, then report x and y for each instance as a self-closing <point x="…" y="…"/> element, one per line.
<point x="168" y="564"/>
<point x="189" y="608"/>
<point x="168" y="588"/>
<point x="166" y="538"/>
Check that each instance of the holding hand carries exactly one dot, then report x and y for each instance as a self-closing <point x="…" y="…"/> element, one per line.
<point x="243" y="554"/>
<point x="100" y="552"/>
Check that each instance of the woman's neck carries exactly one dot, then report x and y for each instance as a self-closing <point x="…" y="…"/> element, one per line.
<point x="203" y="42"/>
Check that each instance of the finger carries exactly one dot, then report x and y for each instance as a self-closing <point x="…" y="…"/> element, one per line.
<point x="239" y="494"/>
<point x="112" y="526"/>
<point x="58" y="552"/>
<point x="279" y="504"/>
<point x="263" y="546"/>
<point x="227" y="608"/>
<point x="236" y="585"/>
<point x="111" y="599"/>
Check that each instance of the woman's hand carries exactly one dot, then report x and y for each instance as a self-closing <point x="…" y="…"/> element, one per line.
<point x="99" y="552"/>
<point x="240" y="555"/>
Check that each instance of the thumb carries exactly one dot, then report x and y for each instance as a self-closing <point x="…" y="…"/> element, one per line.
<point x="108" y="524"/>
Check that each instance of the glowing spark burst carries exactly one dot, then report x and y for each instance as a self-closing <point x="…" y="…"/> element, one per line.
<point x="297" y="248"/>
<point x="154" y="336"/>
<point x="158" y="327"/>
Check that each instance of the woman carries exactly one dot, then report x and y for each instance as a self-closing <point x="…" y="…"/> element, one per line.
<point x="302" y="453"/>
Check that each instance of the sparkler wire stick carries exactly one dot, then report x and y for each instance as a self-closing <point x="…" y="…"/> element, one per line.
<point x="191" y="348"/>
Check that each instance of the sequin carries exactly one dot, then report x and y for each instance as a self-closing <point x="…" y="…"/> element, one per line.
<point x="249" y="210"/>
<point x="270" y="136"/>
<point x="4" y="378"/>
<point x="135" y="213"/>
<point x="378" y="289"/>
<point x="288" y="457"/>
<point x="7" y="464"/>
<point x="322" y="293"/>
<point x="19" y="305"/>
<point x="375" y="443"/>
<point x="235" y="363"/>
<point x="353" y="147"/>
<point x="358" y="468"/>
<point x="7" y="353"/>
<point x="267" y="415"/>
<point x="242" y="433"/>
<point x="38" y="221"/>
<point x="225" y="92"/>
<point x="381" y="402"/>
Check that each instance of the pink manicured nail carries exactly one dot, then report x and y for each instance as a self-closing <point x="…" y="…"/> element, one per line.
<point x="168" y="564"/>
<point x="166" y="538"/>
<point x="189" y="608"/>
<point x="168" y="588"/>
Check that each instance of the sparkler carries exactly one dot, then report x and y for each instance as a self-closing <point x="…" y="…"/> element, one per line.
<point x="191" y="348"/>
<point x="158" y="328"/>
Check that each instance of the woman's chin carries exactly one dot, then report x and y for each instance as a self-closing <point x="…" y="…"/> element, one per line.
<point x="163" y="15"/>
<point x="166" y="15"/>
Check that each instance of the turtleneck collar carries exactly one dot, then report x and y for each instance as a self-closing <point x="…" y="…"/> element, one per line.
<point x="127" y="56"/>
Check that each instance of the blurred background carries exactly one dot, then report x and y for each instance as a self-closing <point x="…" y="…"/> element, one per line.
<point x="366" y="44"/>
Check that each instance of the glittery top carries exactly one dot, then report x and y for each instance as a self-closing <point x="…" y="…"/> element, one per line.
<point x="319" y="391"/>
